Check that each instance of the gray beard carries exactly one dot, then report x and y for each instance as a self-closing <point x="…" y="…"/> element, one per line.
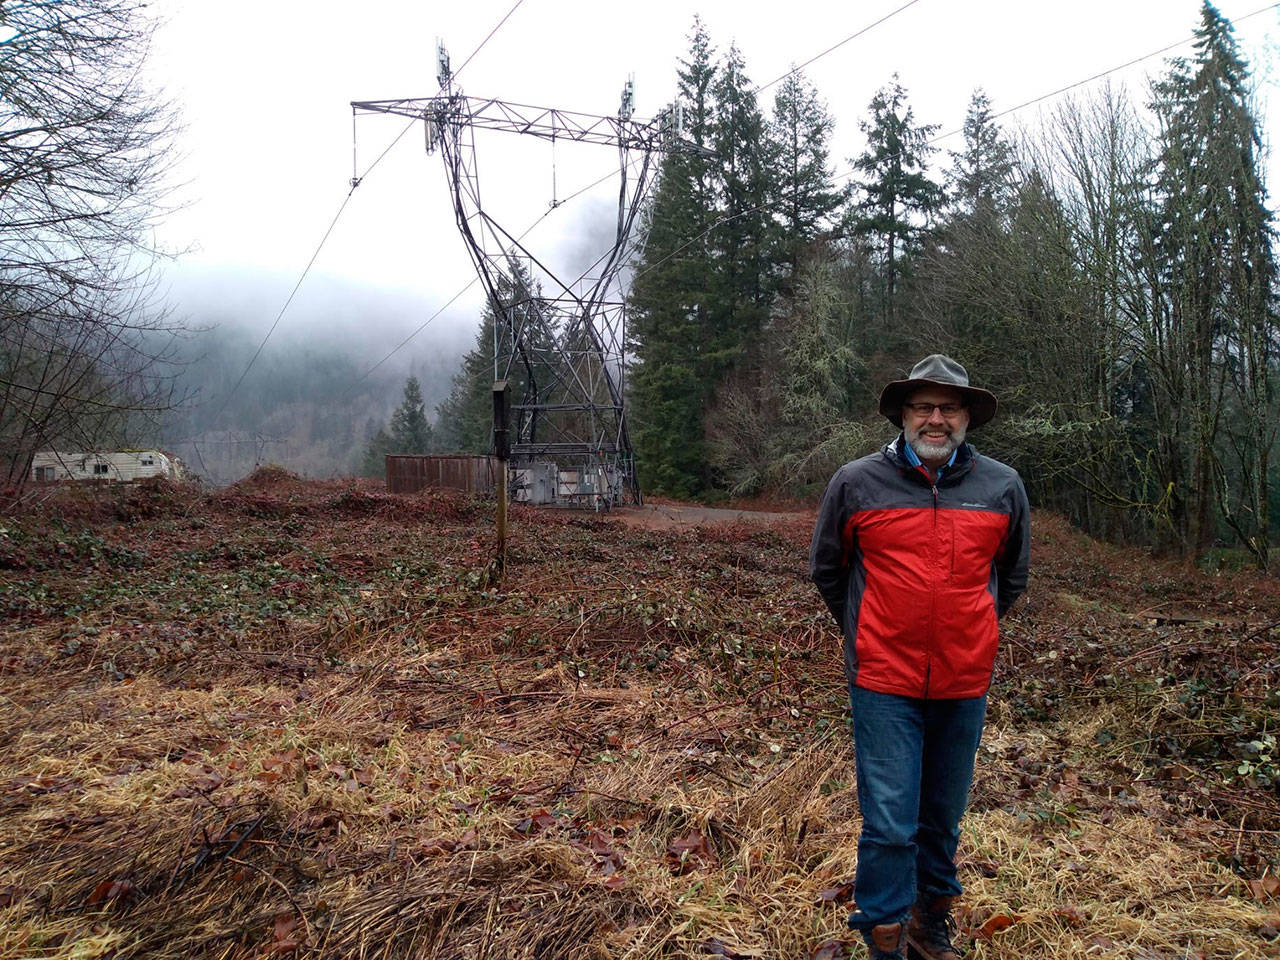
<point x="928" y="450"/>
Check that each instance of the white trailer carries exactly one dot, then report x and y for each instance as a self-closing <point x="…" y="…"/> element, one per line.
<point x="121" y="466"/>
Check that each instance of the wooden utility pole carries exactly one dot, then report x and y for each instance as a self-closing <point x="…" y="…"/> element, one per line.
<point x="501" y="448"/>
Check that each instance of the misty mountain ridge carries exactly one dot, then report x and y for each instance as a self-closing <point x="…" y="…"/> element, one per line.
<point x="326" y="379"/>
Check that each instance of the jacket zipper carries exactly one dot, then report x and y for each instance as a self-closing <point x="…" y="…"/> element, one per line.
<point x="933" y="598"/>
<point x="933" y="593"/>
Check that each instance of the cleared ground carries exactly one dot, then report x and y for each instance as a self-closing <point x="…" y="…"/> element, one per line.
<point x="308" y="719"/>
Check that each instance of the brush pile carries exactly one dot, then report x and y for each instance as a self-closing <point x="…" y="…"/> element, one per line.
<point x="306" y="719"/>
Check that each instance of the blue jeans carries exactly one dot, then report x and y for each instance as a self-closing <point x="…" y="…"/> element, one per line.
<point x="914" y="766"/>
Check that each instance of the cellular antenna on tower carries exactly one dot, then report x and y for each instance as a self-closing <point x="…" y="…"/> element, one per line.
<point x="559" y="344"/>
<point x="443" y="75"/>
<point x="628" y="99"/>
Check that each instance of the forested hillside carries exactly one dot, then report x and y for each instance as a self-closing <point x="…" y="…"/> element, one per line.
<point x="313" y="402"/>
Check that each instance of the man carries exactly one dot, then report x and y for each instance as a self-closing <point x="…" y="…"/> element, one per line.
<point x="917" y="551"/>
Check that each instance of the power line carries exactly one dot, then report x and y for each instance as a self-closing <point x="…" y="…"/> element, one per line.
<point x="394" y="350"/>
<point x="1123" y="66"/>
<point x="951" y="133"/>
<point x="228" y="443"/>
<point x="837" y="46"/>
<point x="307" y="269"/>
<point x="358" y="178"/>
<point x="355" y="182"/>
<point x="488" y="38"/>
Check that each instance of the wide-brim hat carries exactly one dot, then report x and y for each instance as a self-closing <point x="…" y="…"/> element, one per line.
<point x="938" y="370"/>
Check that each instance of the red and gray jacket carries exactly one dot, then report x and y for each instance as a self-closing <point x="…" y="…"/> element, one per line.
<point x="917" y="573"/>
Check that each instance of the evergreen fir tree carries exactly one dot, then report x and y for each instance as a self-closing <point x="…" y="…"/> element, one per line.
<point x="1213" y="236"/>
<point x="739" y="243"/>
<point x="464" y="419"/>
<point x="897" y="195"/>
<point x="380" y="444"/>
<point x="982" y="171"/>
<point x="805" y="199"/>
<point x="410" y="431"/>
<point x="671" y="328"/>
<point x="962" y="288"/>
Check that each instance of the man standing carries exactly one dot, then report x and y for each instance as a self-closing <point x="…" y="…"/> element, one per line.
<point x="918" y="550"/>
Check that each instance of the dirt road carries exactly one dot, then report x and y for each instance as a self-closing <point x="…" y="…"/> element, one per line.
<point x="673" y="516"/>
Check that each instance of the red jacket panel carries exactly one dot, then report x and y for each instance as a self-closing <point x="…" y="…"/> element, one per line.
<point x="917" y="573"/>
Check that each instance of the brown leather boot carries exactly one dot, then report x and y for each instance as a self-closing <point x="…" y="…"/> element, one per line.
<point x="885" y="942"/>
<point x="929" y="931"/>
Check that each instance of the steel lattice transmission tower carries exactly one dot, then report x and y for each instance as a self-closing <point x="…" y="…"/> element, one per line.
<point x="561" y="346"/>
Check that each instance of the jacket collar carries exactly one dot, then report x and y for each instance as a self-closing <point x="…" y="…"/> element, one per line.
<point x="963" y="463"/>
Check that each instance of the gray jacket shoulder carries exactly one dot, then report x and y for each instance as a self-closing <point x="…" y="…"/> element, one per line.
<point x="848" y="478"/>
<point x="995" y="466"/>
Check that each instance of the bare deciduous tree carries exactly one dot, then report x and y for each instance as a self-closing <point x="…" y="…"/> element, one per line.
<point x="84" y="158"/>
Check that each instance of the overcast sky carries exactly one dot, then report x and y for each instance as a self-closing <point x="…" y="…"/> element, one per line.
<point x="265" y="90"/>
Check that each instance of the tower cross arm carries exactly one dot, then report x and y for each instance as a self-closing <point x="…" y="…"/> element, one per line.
<point x="548" y="123"/>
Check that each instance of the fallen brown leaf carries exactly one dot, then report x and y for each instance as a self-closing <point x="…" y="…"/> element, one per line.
<point x="1264" y="889"/>
<point x="994" y="925"/>
<point x="717" y="948"/>
<point x="285" y="922"/>
<point x="841" y="893"/>
<point x="111" y="889"/>
<point x="684" y="853"/>
<point x="832" y="950"/>
<point x="1070" y="915"/>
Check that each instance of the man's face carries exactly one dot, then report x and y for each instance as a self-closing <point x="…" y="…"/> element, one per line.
<point x="933" y="434"/>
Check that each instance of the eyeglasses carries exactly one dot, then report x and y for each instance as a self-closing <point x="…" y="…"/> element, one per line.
<point x="926" y="409"/>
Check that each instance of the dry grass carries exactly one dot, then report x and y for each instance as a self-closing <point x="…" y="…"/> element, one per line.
<point x="300" y="720"/>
